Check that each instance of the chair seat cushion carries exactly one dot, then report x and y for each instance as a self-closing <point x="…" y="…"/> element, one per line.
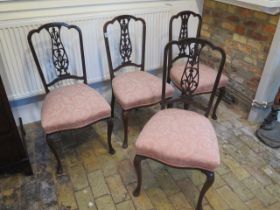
<point x="138" y="88"/>
<point x="207" y="77"/>
<point x="180" y="138"/>
<point x="71" y="107"/>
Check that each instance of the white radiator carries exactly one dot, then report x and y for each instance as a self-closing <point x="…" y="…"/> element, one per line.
<point x="20" y="74"/>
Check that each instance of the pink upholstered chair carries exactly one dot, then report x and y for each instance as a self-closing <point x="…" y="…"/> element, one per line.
<point x="131" y="89"/>
<point x="207" y="73"/>
<point x="180" y="138"/>
<point x="71" y="106"/>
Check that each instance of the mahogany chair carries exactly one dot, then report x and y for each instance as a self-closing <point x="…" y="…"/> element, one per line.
<point x="131" y="89"/>
<point x="181" y="138"/>
<point x="71" y="106"/>
<point x="207" y="73"/>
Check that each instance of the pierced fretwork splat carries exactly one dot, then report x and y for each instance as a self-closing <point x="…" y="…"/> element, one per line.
<point x="125" y="42"/>
<point x="190" y="77"/>
<point x="60" y="58"/>
<point x="183" y="32"/>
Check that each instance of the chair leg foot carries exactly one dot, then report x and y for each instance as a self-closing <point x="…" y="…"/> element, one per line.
<point x="210" y="177"/>
<point x="137" y="165"/>
<point x="109" y="135"/>
<point x="219" y="99"/>
<point x="125" y="127"/>
<point x="59" y="169"/>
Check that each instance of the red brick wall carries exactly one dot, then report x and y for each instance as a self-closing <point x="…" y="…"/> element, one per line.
<point x="246" y="36"/>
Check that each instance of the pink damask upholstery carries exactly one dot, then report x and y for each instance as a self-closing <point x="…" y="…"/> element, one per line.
<point x="71" y="107"/>
<point x="180" y="138"/>
<point x="207" y="77"/>
<point x="138" y="88"/>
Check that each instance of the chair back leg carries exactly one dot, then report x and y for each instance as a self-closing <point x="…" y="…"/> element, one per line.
<point x="125" y="127"/>
<point x="112" y="105"/>
<point x="219" y="99"/>
<point x="59" y="169"/>
<point x="109" y="135"/>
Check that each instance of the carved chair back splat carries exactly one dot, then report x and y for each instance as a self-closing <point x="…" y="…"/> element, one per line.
<point x="60" y="58"/>
<point x="185" y="17"/>
<point x="191" y="74"/>
<point x="186" y="20"/>
<point x="125" y="43"/>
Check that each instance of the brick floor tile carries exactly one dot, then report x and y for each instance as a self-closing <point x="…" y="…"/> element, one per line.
<point x="180" y="202"/>
<point x="117" y="189"/>
<point x="274" y="190"/>
<point x="251" y="183"/>
<point x="127" y="171"/>
<point x="85" y="199"/>
<point x="207" y="207"/>
<point x="98" y="184"/>
<point x="91" y="165"/>
<point x="108" y="165"/>
<point x="259" y="175"/>
<point x="154" y="165"/>
<point x="272" y="174"/>
<point x="196" y="177"/>
<point x="149" y="178"/>
<point x="89" y="159"/>
<point x="99" y="147"/>
<point x="264" y="196"/>
<point x="219" y="181"/>
<point x="231" y="198"/>
<point x="177" y="174"/>
<point x="142" y="202"/>
<point x="167" y="183"/>
<point x="159" y="199"/>
<point x="252" y="143"/>
<point x="238" y="187"/>
<point x="222" y="169"/>
<point x="216" y="200"/>
<point x="235" y="167"/>
<point x="66" y="196"/>
<point x="71" y="159"/>
<point x="275" y="206"/>
<point x="78" y="177"/>
<point x="126" y="205"/>
<point x="105" y="203"/>
<point x="255" y="204"/>
<point x="189" y="190"/>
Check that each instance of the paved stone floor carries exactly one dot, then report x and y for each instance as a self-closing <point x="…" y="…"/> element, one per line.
<point x="248" y="178"/>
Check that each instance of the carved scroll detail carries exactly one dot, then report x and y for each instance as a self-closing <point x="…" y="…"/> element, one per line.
<point x="183" y="33"/>
<point x="125" y="42"/>
<point x="60" y="58"/>
<point x="190" y="77"/>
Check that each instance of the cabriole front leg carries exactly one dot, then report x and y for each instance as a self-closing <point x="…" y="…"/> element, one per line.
<point x="137" y="165"/>
<point x="59" y="169"/>
<point x="210" y="177"/>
